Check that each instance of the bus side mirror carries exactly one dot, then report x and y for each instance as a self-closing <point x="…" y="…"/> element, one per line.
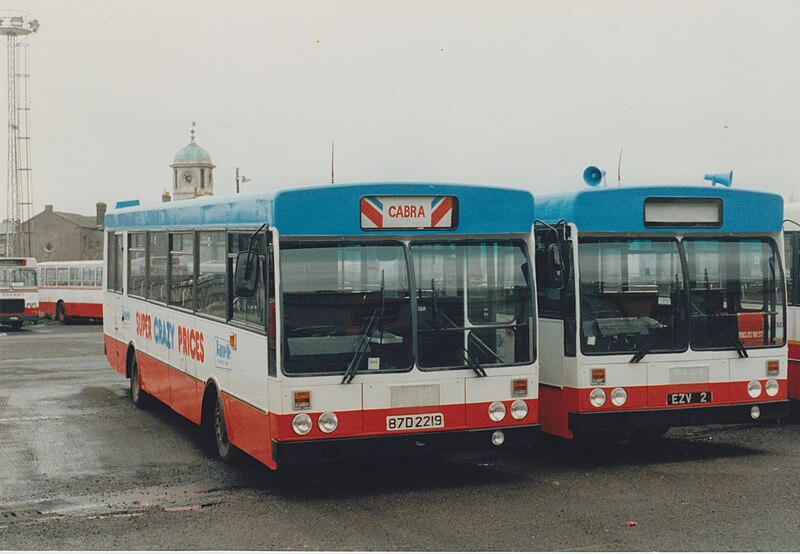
<point x="555" y="265"/>
<point x="245" y="280"/>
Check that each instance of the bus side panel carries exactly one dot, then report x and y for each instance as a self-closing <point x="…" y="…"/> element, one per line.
<point x="115" y="354"/>
<point x="249" y="429"/>
<point x="154" y="376"/>
<point x="49" y="309"/>
<point x="184" y="395"/>
<point x="554" y="407"/>
<point x="82" y="309"/>
<point x="794" y="370"/>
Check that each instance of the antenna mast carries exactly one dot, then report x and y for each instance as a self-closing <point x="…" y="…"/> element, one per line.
<point x="15" y="27"/>
<point x="619" y="168"/>
<point x="331" y="162"/>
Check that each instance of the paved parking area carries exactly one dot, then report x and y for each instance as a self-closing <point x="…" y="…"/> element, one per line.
<point x="82" y="468"/>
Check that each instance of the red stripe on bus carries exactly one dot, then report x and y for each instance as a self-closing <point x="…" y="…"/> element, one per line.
<point x="794" y="380"/>
<point x="74" y="309"/>
<point x="372" y="214"/>
<point x="441" y="210"/>
<point x="556" y="403"/>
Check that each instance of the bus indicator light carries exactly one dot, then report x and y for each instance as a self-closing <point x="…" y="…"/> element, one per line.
<point x="232" y="340"/>
<point x="773" y="367"/>
<point x="598" y="376"/>
<point x="302" y="400"/>
<point x="519" y="387"/>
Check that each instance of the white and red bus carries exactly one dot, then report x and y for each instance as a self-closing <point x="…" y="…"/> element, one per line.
<point x="670" y="309"/>
<point x="19" y="292"/>
<point x="71" y="290"/>
<point x="331" y="323"/>
<point x="791" y="244"/>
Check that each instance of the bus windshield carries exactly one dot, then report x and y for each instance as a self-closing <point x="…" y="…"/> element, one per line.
<point x="345" y="304"/>
<point x="475" y="304"/>
<point x="632" y="296"/>
<point x="737" y="297"/>
<point x="18" y="278"/>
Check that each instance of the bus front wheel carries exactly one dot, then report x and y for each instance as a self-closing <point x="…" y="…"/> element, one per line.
<point x="61" y="313"/>
<point x="16" y="325"/>
<point x="227" y="452"/>
<point x="138" y="395"/>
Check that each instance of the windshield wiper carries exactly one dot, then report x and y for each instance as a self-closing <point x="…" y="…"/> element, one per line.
<point x="715" y="318"/>
<point x="651" y="339"/>
<point x="375" y="320"/>
<point x="457" y="346"/>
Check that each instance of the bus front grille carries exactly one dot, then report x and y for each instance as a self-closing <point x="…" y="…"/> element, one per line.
<point x="414" y="395"/>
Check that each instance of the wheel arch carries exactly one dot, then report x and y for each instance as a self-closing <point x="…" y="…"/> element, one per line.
<point x="210" y="395"/>
<point x="129" y="358"/>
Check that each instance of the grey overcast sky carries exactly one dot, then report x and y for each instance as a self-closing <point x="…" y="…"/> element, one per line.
<point x="517" y="93"/>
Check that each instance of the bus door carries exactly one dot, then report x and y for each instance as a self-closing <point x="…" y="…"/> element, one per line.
<point x="117" y="319"/>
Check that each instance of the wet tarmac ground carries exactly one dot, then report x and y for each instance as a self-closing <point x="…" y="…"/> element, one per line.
<point x="82" y="468"/>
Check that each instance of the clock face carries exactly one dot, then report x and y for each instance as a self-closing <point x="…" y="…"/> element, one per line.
<point x="187" y="177"/>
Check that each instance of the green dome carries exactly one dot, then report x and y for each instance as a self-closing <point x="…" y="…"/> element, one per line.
<point x="192" y="153"/>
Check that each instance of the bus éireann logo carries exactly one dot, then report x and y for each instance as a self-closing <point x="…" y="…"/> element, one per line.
<point x="408" y="212"/>
<point x="222" y="353"/>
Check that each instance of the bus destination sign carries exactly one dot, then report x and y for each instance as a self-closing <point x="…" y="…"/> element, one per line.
<point x="409" y="212"/>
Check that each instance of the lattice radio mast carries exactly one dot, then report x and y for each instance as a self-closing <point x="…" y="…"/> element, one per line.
<point x="15" y="28"/>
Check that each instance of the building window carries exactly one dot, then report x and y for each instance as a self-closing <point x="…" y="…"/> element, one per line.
<point x="202" y="178"/>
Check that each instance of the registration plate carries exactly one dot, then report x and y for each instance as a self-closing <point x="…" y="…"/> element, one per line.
<point x="416" y="421"/>
<point x="688" y="398"/>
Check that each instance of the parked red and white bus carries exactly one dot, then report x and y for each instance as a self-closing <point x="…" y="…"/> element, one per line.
<point x="791" y="249"/>
<point x="19" y="292"/>
<point x="670" y="310"/>
<point x="331" y="323"/>
<point x="71" y="290"/>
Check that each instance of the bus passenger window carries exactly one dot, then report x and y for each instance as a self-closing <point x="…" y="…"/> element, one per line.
<point x="789" y="250"/>
<point x="158" y="249"/>
<point x="136" y="264"/>
<point x="212" y="289"/>
<point x="181" y="274"/>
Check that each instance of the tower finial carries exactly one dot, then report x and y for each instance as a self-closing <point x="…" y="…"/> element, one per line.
<point x="193" y="124"/>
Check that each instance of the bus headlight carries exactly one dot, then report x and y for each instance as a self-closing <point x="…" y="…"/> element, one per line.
<point x="519" y="409"/>
<point x="597" y="397"/>
<point x="301" y="424"/>
<point x="497" y="411"/>
<point x="754" y="388"/>
<point x="328" y="422"/>
<point x="619" y="396"/>
<point x="772" y="387"/>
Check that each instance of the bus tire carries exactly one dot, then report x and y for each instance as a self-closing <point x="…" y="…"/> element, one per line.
<point x="15" y="325"/>
<point x="138" y="395"/>
<point x="61" y="313"/>
<point x="227" y="452"/>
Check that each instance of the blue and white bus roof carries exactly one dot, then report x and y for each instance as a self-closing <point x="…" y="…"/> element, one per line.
<point x="662" y="208"/>
<point x="346" y="209"/>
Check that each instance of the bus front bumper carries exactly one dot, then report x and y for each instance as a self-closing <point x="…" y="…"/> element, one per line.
<point x="675" y="417"/>
<point x="390" y="446"/>
<point x="9" y="318"/>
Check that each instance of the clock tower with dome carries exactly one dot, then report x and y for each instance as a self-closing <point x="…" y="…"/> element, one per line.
<point x="192" y="172"/>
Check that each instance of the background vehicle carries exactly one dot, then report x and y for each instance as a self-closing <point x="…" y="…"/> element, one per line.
<point x="332" y="323"/>
<point x="670" y="310"/>
<point x="791" y="248"/>
<point x="71" y="290"/>
<point x="19" y="292"/>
